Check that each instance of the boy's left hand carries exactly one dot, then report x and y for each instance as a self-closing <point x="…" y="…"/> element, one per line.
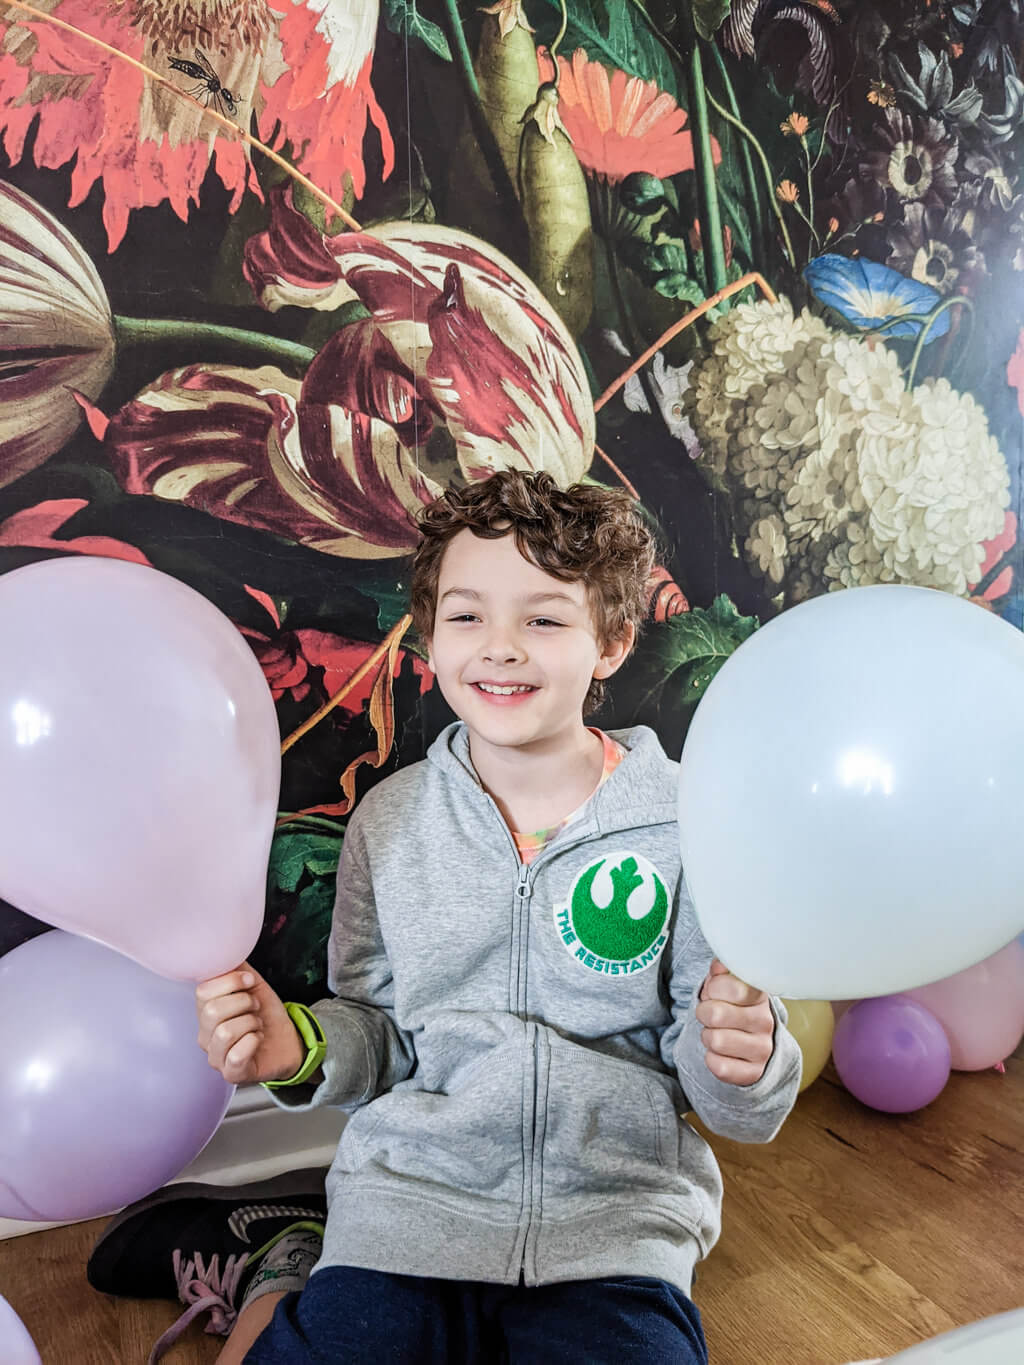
<point x="739" y="1027"/>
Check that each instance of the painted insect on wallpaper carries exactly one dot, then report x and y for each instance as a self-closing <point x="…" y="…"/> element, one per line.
<point x="272" y="274"/>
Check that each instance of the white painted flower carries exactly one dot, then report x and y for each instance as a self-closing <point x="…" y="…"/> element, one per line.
<point x="841" y="477"/>
<point x="56" y="333"/>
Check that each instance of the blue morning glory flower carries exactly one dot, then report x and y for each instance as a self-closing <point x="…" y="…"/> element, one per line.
<point x="868" y="294"/>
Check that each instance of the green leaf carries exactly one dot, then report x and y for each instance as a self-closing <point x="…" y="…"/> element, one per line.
<point x="403" y="17"/>
<point x="710" y="15"/>
<point x="688" y="652"/>
<point x="610" y="31"/>
<point x="663" y="265"/>
<point x="297" y="850"/>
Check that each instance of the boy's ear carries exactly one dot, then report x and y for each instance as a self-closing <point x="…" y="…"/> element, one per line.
<point x="615" y="653"/>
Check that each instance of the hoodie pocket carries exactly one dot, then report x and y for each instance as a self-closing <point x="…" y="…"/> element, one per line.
<point x="464" y="1140"/>
<point x="609" y="1127"/>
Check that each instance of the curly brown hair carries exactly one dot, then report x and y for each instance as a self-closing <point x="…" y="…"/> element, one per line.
<point x="579" y="534"/>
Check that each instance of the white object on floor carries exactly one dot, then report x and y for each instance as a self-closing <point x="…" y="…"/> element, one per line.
<point x="255" y="1141"/>
<point x="992" y="1341"/>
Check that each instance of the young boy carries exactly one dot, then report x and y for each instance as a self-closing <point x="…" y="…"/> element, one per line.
<point x="523" y="1004"/>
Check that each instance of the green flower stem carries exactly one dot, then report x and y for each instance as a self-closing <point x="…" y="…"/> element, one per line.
<point x="456" y="36"/>
<point x="809" y="216"/>
<point x="704" y="167"/>
<point x="704" y="163"/>
<point x="451" y="22"/>
<point x="811" y="228"/>
<point x="768" y="176"/>
<point x="930" y="320"/>
<point x="136" y="332"/>
<point x="557" y="41"/>
<point x="746" y="166"/>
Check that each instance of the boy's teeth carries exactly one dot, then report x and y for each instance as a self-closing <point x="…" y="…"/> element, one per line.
<point x="504" y="691"/>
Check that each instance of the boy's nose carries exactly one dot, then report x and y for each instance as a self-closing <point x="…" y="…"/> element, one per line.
<point x="503" y="649"/>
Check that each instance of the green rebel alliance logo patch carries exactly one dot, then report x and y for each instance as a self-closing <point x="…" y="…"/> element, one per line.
<point x="616" y="922"/>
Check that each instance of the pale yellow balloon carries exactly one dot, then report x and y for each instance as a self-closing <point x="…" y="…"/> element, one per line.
<point x="811" y="1022"/>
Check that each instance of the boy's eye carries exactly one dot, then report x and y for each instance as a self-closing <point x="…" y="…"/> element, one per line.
<point x="463" y="616"/>
<point x="544" y="621"/>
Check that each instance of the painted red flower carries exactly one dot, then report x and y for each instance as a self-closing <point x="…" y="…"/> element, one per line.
<point x="290" y="659"/>
<point x="619" y="123"/>
<point x="302" y="67"/>
<point x="995" y="549"/>
<point x="36" y="528"/>
<point x="457" y="338"/>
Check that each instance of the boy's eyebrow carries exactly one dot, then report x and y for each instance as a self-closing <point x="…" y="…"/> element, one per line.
<point x="461" y="592"/>
<point x="533" y="599"/>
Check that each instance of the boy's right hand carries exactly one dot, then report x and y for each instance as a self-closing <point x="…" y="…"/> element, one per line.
<point x="245" y="1030"/>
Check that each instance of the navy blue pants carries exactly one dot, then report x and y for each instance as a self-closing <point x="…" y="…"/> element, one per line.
<point x="367" y="1317"/>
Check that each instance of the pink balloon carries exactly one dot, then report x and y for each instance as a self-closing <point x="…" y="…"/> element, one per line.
<point x="16" y="1346"/>
<point x="981" y="1009"/>
<point x="139" y="764"/>
<point x="105" y="1094"/>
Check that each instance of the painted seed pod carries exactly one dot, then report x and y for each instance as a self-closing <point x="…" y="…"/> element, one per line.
<point x="556" y="206"/>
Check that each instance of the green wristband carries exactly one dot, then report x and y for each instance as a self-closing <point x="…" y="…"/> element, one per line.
<point x="313" y="1036"/>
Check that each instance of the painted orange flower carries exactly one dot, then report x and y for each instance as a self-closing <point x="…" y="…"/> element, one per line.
<point x="302" y="67"/>
<point x="620" y="123"/>
<point x="795" y="126"/>
<point x="786" y="192"/>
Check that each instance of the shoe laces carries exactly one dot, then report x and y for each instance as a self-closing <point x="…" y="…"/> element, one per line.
<point x="203" y="1288"/>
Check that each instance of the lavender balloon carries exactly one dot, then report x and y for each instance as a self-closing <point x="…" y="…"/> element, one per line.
<point x="16" y="1346"/>
<point x="891" y="1053"/>
<point x="105" y="1094"/>
<point x="139" y="764"/>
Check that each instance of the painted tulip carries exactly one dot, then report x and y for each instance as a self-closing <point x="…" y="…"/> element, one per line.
<point x="457" y="337"/>
<point x="56" y="333"/>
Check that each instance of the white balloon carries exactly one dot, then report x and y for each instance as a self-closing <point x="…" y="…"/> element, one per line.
<point x="993" y="1341"/>
<point x="851" y="797"/>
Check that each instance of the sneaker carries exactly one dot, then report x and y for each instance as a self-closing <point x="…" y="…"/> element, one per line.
<point x="216" y="1229"/>
<point x="284" y="1263"/>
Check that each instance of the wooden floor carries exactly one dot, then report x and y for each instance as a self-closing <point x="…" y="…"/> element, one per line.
<point x="853" y="1235"/>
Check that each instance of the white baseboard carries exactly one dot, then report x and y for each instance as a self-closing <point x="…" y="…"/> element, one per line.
<point x="255" y="1141"/>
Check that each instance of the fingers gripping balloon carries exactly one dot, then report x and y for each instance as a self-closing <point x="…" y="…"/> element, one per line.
<point x="850" y="795"/>
<point x="139" y="764"/>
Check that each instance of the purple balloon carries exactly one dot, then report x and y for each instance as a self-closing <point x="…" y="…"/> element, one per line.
<point x="16" y="1346"/>
<point x="891" y="1053"/>
<point x="139" y="764"/>
<point x="105" y="1093"/>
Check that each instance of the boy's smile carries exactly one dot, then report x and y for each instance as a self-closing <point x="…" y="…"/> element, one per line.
<point x="514" y="649"/>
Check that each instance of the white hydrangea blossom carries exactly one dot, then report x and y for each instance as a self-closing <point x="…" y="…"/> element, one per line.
<point x="839" y="476"/>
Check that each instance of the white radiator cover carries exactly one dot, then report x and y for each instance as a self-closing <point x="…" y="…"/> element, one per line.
<point x="255" y="1141"/>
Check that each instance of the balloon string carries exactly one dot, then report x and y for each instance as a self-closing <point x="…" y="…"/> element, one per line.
<point x="681" y="326"/>
<point x="205" y="110"/>
<point x="391" y="640"/>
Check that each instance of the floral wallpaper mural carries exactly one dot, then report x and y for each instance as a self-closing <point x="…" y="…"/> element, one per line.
<point x="273" y="271"/>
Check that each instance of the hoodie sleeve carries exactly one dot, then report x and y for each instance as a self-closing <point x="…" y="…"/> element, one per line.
<point x="367" y="1053"/>
<point x="745" y="1113"/>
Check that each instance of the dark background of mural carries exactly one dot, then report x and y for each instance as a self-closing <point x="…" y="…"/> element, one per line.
<point x="887" y="133"/>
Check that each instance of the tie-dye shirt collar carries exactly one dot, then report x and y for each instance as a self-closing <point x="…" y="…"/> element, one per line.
<point x="531" y="846"/>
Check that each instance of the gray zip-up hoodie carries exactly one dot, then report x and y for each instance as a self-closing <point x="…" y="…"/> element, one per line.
<point x="518" y="1042"/>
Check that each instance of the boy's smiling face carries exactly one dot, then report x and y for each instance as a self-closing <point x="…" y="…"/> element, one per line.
<point x="513" y="648"/>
